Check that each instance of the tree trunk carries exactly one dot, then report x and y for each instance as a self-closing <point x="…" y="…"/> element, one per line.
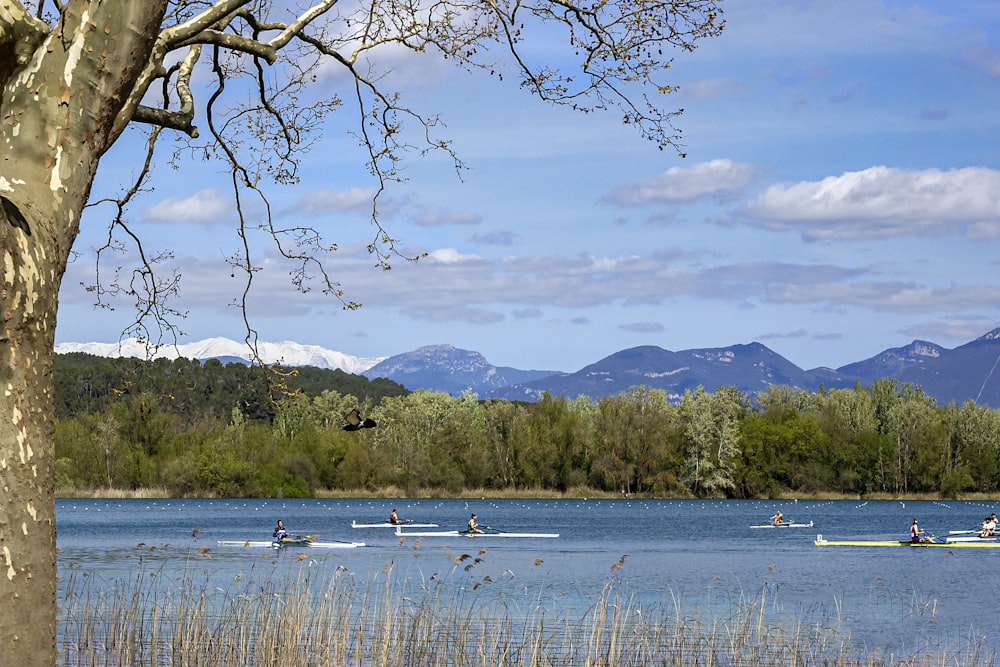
<point x="61" y="109"/>
<point x="27" y="511"/>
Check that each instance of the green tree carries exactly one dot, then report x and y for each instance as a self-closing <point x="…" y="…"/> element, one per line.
<point x="633" y="434"/>
<point x="79" y="453"/>
<point x="711" y="426"/>
<point x="920" y="441"/>
<point x="974" y="447"/>
<point x="552" y="444"/>
<point x="502" y="423"/>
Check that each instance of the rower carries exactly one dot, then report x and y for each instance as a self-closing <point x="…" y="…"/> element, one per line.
<point x="777" y="518"/>
<point x="916" y="534"/>
<point x="279" y="532"/>
<point x="394" y="518"/>
<point x="474" y="526"/>
<point x="989" y="526"/>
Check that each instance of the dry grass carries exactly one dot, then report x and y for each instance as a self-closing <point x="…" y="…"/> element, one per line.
<point x="390" y="620"/>
<point x="104" y="492"/>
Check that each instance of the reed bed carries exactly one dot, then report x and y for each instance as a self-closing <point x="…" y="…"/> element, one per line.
<point x="390" y="619"/>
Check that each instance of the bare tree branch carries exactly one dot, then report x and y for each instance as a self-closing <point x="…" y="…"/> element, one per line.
<point x="151" y="293"/>
<point x="619" y="46"/>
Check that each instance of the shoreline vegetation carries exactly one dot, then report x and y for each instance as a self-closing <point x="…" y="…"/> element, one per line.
<point x="208" y="431"/>
<point x="392" y="620"/>
<point x="577" y="493"/>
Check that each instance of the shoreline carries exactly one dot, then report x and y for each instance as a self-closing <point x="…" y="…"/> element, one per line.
<point x="520" y="494"/>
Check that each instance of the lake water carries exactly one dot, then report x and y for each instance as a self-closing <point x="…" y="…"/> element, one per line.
<point x="702" y="553"/>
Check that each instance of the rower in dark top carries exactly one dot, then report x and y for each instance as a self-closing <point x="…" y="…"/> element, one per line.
<point x="916" y="534"/>
<point x="394" y="518"/>
<point x="279" y="532"/>
<point x="474" y="526"/>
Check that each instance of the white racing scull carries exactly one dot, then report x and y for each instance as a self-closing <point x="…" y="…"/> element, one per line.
<point x="790" y="524"/>
<point x="487" y="532"/>
<point x="386" y="524"/>
<point x="280" y="545"/>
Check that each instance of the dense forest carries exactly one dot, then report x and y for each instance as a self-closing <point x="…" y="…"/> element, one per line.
<point x="198" y="429"/>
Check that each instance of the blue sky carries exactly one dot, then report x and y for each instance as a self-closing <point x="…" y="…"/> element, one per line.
<point x="840" y="196"/>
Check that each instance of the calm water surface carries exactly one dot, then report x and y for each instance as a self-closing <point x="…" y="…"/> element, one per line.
<point x="701" y="553"/>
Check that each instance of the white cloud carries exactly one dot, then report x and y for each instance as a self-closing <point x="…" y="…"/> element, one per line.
<point x="685" y="184"/>
<point x="450" y="256"/>
<point x="205" y="206"/>
<point x="882" y="202"/>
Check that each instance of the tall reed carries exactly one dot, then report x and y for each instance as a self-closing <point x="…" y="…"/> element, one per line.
<point x="391" y="619"/>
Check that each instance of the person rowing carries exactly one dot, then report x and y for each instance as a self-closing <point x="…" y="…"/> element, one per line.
<point x="778" y="518"/>
<point x="917" y="534"/>
<point x="394" y="518"/>
<point x="280" y="534"/>
<point x="989" y="526"/>
<point x="474" y="526"/>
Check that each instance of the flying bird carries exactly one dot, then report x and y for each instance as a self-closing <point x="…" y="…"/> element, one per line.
<point x="355" y="422"/>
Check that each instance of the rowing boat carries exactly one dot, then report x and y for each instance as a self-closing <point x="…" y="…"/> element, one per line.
<point x="386" y="524"/>
<point x="464" y="533"/>
<point x="970" y="538"/>
<point x="785" y="525"/>
<point x="820" y="542"/>
<point x="274" y="544"/>
<point x="974" y="534"/>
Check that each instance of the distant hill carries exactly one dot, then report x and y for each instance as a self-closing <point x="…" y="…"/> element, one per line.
<point x="752" y="368"/>
<point x="968" y="372"/>
<point x="449" y="369"/>
<point x="892" y="362"/>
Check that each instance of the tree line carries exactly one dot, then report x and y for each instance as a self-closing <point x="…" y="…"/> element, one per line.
<point x="212" y="430"/>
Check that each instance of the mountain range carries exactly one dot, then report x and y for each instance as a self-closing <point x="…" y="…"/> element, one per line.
<point x="967" y="372"/>
<point x="286" y="353"/>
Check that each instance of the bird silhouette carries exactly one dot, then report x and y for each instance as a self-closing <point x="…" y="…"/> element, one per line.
<point x="355" y="421"/>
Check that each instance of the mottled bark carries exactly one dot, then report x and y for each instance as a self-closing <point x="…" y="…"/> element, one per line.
<point x="27" y="510"/>
<point x="63" y="92"/>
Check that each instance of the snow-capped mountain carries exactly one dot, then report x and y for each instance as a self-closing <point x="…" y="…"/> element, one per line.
<point x="287" y="353"/>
